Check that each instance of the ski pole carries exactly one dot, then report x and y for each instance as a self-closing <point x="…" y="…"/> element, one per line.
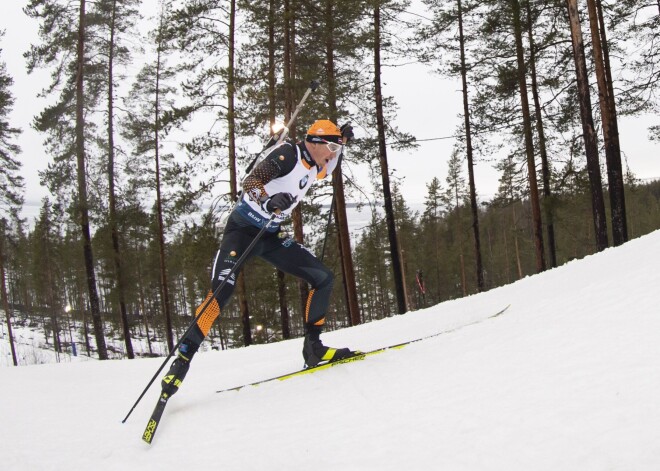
<point x="285" y="131"/>
<point x="312" y="87"/>
<point x="240" y="260"/>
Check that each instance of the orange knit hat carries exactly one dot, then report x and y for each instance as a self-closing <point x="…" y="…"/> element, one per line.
<point x="324" y="130"/>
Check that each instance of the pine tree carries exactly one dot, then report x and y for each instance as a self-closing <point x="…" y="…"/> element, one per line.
<point x="638" y="22"/>
<point x="11" y="185"/>
<point x="542" y="141"/>
<point x="445" y="19"/>
<point x="3" y="288"/>
<point x="609" y="120"/>
<point x="63" y="31"/>
<point x="589" y="133"/>
<point x="150" y="119"/>
<point x="384" y="167"/>
<point x="431" y="226"/>
<point x="454" y="199"/>
<point x="118" y="17"/>
<point x="11" y="182"/>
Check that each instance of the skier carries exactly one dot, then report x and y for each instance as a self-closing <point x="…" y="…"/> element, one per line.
<point x="275" y="187"/>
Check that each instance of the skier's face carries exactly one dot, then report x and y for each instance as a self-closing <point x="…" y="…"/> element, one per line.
<point x="324" y="153"/>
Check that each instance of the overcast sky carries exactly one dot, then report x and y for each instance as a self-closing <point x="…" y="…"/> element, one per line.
<point x="429" y="108"/>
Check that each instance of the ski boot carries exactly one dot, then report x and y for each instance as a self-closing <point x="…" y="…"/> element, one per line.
<point x="178" y="370"/>
<point x="314" y="352"/>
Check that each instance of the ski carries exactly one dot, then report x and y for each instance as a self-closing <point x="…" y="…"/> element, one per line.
<point x="154" y="420"/>
<point x="358" y="355"/>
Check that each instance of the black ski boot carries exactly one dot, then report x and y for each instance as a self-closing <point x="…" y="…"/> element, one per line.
<point x="314" y="352"/>
<point x="173" y="379"/>
<point x="178" y="370"/>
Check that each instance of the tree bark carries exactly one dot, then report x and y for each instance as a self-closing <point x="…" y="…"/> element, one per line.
<point x="344" y="240"/>
<point x="165" y="295"/>
<point x="233" y="180"/>
<point x="382" y="148"/>
<point x="111" y="190"/>
<point x="470" y="159"/>
<point x="589" y="134"/>
<point x="5" y="300"/>
<point x="289" y="106"/>
<point x="610" y="125"/>
<point x="83" y="206"/>
<point x="529" y="143"/>
<point x="545" y="165"/>
<point x="284" y="308"/>
<point x="272" y="110"/>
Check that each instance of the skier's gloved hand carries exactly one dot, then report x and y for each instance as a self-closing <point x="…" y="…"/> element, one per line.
<point x="281" y="201"/>
<point x="347" y="131"/>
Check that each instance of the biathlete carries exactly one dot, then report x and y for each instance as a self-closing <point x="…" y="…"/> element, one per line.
<point x="275" y="187"/>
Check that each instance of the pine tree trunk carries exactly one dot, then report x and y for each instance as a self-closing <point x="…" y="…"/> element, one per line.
<point x="111" y="190"/>
<point x="165" y="295"/>
<point x="348" y="271"/>
<point x="591" y="146"/>
<point x="143" y="309"/>
<point x="387" y="193"/>
<point x="459" y="237"/>
<point x="545" y="165"/>
<point x="610" y="125"/>
<point x="470" y="159"/>
<point x="82" y="192"/>
<point x="5" y="300"/>
<point x="233" y="179"/>
<point x="272" y="110"/>
<point x="515" y="241"/>
<point x="289" y="106"/>
<point x="284" y="308"/>
<point x="51" y="300"/>
<point x="529" y="143"/>
<point x="245" y="312"/>
<point x="83" y="311"/>
<point x="406" y="295"/>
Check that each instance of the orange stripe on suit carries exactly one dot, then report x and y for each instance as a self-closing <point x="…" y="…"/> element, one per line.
<point x="210" y="314"/>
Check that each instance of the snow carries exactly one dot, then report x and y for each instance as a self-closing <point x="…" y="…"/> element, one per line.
<point x="568" y="378"/>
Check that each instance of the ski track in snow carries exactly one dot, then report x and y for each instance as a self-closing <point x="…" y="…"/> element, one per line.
<point x="568" y="378"/>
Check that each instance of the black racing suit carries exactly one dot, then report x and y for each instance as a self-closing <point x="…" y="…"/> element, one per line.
<point x="283" y="252"/>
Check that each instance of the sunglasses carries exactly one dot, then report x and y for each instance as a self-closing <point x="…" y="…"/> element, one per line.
<point x="333" y="146"/>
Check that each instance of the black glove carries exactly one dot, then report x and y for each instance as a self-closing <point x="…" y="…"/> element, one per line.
<point x="281" y="201"/>
<point x="347" y="131"/>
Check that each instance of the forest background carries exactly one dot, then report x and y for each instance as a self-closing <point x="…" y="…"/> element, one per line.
<point x="146" y="136"/>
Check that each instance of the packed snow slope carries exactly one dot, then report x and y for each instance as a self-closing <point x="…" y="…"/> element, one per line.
<point x="568" y="378"/>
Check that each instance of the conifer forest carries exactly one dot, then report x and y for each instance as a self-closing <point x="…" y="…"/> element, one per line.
<point x="149" y="129"/>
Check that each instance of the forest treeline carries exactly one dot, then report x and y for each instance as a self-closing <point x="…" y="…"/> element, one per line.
<point x="147" y="137"/>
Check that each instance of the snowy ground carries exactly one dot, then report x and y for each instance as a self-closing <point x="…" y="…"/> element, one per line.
<point x="567" y="379"/>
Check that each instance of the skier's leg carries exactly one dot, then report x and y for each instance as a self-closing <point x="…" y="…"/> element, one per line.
<point x="295" y="259"/>
<point x="233" y="245"/>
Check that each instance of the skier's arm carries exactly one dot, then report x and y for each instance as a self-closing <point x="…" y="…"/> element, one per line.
<point x="278" y="163"/>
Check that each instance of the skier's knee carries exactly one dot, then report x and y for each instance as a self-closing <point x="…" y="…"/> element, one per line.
<point x="325" y="280"/>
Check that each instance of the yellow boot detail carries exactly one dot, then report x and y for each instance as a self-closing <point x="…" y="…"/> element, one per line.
<point x="329" y="355"/>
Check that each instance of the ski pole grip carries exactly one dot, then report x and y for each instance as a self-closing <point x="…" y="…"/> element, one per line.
<point x="314" y="84"/>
